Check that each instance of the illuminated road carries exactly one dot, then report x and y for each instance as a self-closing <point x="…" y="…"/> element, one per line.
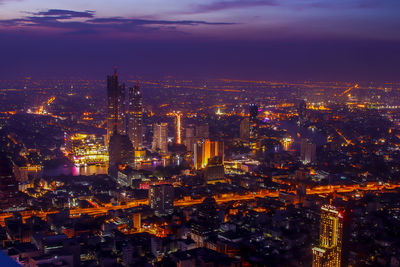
<point x="230" y="197"/>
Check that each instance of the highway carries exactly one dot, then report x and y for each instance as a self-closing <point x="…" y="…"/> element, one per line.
<point x="97" y="210"/>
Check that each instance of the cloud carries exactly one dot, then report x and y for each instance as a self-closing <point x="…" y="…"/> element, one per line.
<point x="85" y="22"/>
<point x="221" y="5"/>
<point x="62" y="13"/>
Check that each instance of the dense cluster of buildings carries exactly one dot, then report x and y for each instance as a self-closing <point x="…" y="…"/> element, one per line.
<point x="233" y="178"/>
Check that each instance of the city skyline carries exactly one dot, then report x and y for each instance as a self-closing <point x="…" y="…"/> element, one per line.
<point x="218" y="133"/>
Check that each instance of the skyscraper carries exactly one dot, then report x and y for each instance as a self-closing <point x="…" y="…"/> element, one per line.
<point x="328" y="252"/>
<point x="135" y="117"/>
<point x="160" y="141"/>
<point x="253" y="127"/>
<point x="204" y="150"/>
<point x="161" y="199"/>
<point x="115" y="106"/>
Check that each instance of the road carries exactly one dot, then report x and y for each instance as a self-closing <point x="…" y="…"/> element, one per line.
<point x="223" y="198"/>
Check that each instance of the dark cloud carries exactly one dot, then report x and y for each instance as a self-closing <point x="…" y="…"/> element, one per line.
<point x="62" y="13"/>
<point x="66" y="20"/>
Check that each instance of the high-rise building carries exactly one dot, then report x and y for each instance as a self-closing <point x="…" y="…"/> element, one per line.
<point x="161" y="199"/>
<point x="115" y="106"/>
<point x="253" y="127"/>
<point x="135" y="117"/>
<point x="245" y="129"/>
<point x="160" y="141"/>
<point x="329" y="250"/>
<point x="204" y="150"/>
<point x="308" y="151"/>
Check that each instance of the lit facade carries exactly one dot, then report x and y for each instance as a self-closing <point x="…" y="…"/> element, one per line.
<point x="135" y="117"/>
<point x="160" y="141"/>
<point x="329" y="251"/>
<point x="85" y="149"/>
<point x="205" y="150"/>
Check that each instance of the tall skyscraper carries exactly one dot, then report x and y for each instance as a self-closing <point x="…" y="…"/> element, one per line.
<point x="253" y="121"/>
<point x="115" y="106"/>
<point x="161" y="199"/>
<point x="328" y="252"/>
<point x="160" y="141"/>
<point x="135" y="117"/>
<point x="204" y="150"/>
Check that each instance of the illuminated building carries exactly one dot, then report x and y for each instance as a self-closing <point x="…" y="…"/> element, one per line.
<point x="137" y="221"/>
<point x="286" y="143"/>
<point x="160" y="141"/>
<point x="253" y="120"/>
<point x="121" y="154"/>
<point x="86" y="149"/>
<point x="115" y="106"/>
<point x="328" y="252"/>
<point x="245" y="129"/>
<point x="161" y="199"/>
<point x="135" y="117"/>
<point x="308" y="151"/>
<point x="178" y="126"/>
<point x="205" y="150"/>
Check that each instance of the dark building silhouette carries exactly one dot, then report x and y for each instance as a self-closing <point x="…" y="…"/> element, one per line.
<point x="9" y="194"/>
<point x="121" y="153"/>
<point x="115" y="106"/>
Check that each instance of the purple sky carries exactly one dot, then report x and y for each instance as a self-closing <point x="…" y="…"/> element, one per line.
<point x="248" y="39"/>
